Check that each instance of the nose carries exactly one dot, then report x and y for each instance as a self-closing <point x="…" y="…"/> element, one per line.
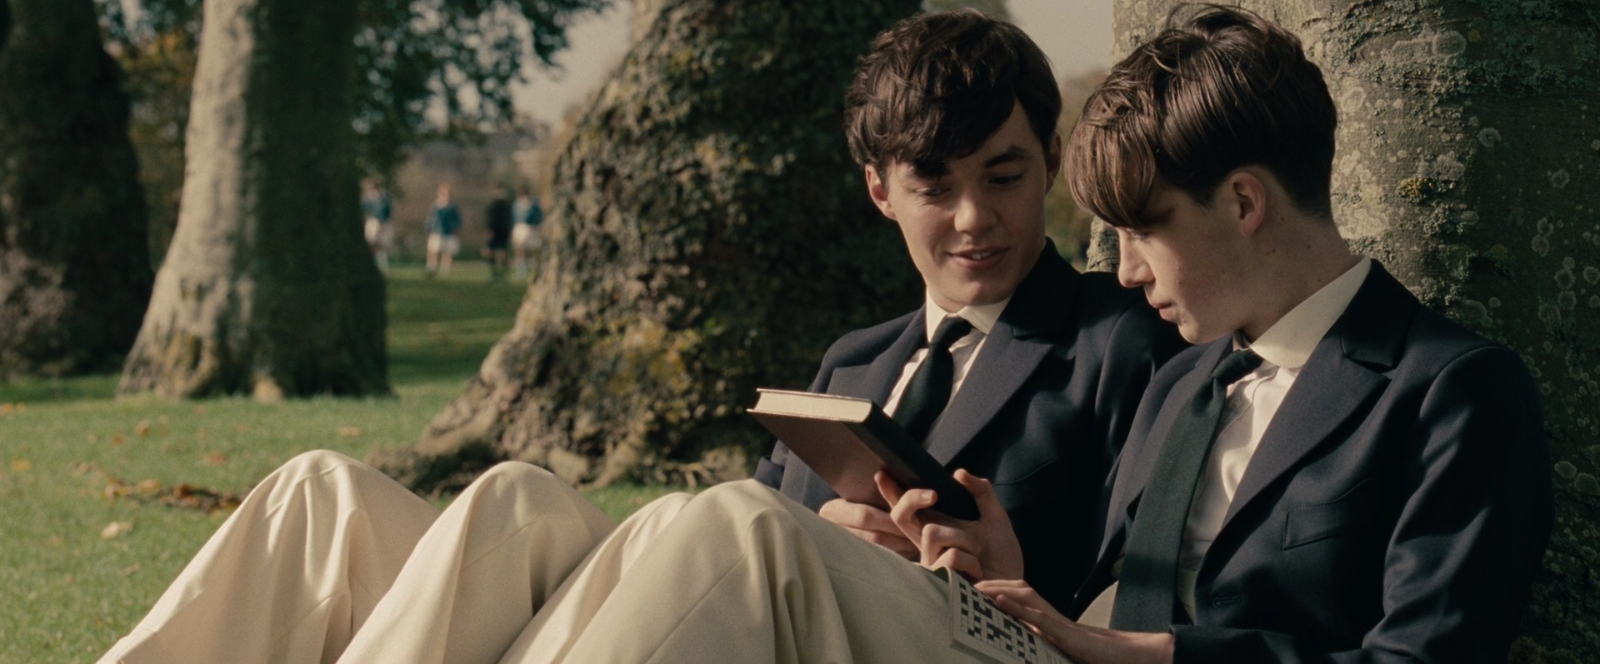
<point x="1132" y="270"/>
<point x="974" y="214"/>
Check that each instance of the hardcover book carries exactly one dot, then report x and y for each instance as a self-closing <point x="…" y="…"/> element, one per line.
<point x="845" y="440"/>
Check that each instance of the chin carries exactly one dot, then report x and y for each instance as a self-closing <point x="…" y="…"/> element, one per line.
<point x="1194" y="335"/>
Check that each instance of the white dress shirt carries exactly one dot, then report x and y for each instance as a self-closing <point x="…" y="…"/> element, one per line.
<point x="963" y="351"/>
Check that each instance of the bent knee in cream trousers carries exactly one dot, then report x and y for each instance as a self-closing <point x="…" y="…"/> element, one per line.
<point x="328" y="560"/>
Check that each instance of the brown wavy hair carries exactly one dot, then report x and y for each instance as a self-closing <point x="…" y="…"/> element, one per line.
<point x="1221" y="89"/>
<point x="935" y="86"/>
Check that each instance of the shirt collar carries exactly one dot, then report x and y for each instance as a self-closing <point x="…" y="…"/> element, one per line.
<point x="1290" y="341"/>
<point x="982" y="316"/>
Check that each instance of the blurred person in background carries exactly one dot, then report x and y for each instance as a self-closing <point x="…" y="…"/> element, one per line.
<point x="499" y="216"/>
<point x="443" y="224"/>
<point x="527" y="214"/>
<point x="375" y="206"/>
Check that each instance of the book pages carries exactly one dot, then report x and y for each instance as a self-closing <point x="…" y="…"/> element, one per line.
<point x="979" y="628"/>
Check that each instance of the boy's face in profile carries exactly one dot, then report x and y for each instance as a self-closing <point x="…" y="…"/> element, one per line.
<point x="1188" y="263"/>
<point x="975" y="229"/>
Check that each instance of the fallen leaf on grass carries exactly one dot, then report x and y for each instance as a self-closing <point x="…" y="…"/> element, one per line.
<point x="116" y="529"/>
<point x="214" y="459"/>
<point x="7" y="408"/>
<point x="142" y="428"/>
<point x="350" y="432"/>
<point x="183" y="494"/>
<point x="21" y="465"/>
<point x="126" y="571"/>
<point x="116" y="439"/>
<point x="189" y="496"/>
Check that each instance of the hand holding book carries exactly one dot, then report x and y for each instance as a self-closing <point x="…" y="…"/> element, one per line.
<point x="984" y="548"/>
<point x="870" y="523"/>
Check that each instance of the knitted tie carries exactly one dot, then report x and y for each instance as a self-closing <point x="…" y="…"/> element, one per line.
<point x="929" y="390"/>
<point x="1146" y="590"/>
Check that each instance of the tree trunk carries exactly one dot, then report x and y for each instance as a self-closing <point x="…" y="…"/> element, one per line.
<point x="710" y="235"/>
<point x="267" y="287"/>
<point x="1469" y="164"/>
<point x="74" y="272"/>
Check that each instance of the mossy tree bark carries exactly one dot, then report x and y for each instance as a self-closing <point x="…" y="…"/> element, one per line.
<point x="267" y="287"/>
<point x="1469" y="164"/>
<point x="712" y="236"/>
<point x="74" y="274"/>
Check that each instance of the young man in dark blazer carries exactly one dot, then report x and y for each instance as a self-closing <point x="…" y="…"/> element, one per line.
<point x="1046" y="381"/>
<point x="1336" y="473"/>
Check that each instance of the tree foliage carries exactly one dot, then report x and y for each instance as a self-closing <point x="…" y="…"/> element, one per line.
<point x="459" y="56"/>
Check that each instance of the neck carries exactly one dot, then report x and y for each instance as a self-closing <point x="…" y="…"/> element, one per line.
<point x="1298" y="261"/>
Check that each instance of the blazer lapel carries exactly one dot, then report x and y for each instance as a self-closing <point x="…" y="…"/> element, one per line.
<point x="1030" y="327"/>
<point x="1329" y="389"/>
<point x="876" y="380"/>
<point x="1342" y="377"/>
<point x="1003" y="365"/>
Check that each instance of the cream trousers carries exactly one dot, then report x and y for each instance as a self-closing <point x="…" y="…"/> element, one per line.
<point x="328" y="560"/>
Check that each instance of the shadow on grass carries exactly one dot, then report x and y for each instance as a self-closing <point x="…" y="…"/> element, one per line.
<point x="439" y="329"/>
<point x="76" y="388"/>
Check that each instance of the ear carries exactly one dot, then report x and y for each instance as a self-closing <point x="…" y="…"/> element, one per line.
<point x="878" y="189"/>
<point x="1052" y="162"/>
<point x="1246" y="195"/>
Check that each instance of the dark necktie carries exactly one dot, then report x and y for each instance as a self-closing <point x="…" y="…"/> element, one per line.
<point x="929" y="390"/>
<point x="1146" y="590"/>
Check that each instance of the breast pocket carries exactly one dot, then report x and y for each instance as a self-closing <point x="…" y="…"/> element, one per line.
<point x="1314" y="522"/>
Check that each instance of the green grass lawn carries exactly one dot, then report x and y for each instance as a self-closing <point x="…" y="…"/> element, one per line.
<point x="79" y="565"/>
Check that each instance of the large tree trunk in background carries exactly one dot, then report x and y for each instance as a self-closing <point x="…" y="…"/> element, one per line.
<point x="1469" y="164"/>
<point x="713" y="236"/>
<point x="74" y="273"/>
<point x="268" y="287"/>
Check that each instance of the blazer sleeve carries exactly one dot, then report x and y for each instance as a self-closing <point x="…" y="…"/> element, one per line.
<point x="1139" y="344"/>
<point x="1475" y="516"/>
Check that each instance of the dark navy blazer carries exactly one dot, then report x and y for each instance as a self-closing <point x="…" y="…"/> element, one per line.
<point x="1042" y="412"/>
<point x="1395" y="509"/>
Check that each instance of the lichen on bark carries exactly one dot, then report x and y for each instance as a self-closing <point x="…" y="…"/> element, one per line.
<point x="710" y="236"/>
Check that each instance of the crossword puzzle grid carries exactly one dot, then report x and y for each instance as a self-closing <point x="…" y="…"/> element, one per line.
<point x="981" y="628"/>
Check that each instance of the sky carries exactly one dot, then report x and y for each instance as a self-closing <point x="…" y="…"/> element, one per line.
<point x="1074" y="34"/>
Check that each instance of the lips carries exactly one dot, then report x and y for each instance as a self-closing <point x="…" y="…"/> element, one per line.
<point x="979" y="258"/>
